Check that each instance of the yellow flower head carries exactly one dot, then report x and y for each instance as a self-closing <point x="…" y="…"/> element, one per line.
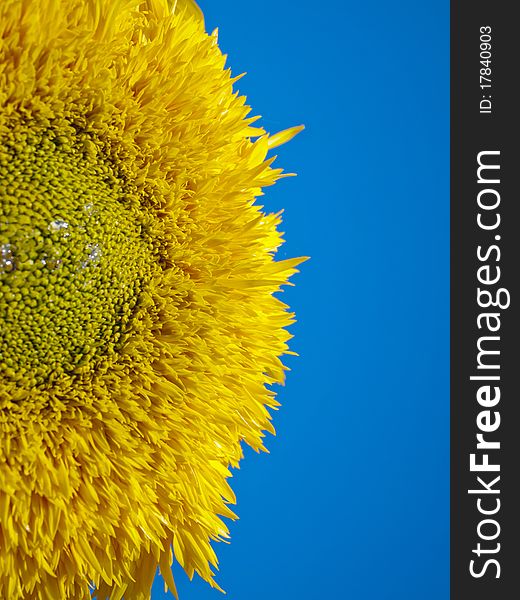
<point x="139" y="333"/>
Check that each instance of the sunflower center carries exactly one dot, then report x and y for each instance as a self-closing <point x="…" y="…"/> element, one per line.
<point x="73" y="253"/>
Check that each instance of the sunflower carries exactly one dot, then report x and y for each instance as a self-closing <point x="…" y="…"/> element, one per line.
<point x="140" y="334"/>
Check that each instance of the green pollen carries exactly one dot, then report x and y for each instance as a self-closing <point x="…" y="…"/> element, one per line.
<point x="74" y="254"/>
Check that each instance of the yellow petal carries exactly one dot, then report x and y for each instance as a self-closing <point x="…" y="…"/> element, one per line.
<point x="189" y="7"/>
<point x="282" y="137"/>
<point x="165" y="567"/>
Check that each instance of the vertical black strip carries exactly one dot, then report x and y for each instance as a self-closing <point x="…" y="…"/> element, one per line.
<point x="475" y="131"/>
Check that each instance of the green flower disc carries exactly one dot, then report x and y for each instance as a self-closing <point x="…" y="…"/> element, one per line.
<point x="73" y="254"/>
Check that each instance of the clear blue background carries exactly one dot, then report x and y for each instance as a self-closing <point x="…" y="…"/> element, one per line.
<point x="353" y="501"/>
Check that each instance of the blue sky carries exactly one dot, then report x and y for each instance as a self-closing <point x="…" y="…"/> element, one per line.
<point x="353" y="499"/>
